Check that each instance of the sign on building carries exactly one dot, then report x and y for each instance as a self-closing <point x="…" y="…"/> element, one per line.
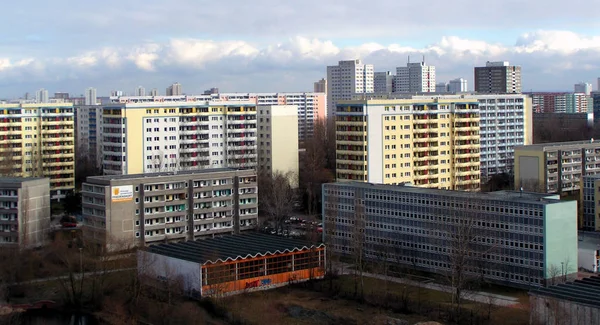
<point x="122" y="193"/>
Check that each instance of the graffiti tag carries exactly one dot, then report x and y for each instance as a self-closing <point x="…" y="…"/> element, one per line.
<point x="258" y="283"/>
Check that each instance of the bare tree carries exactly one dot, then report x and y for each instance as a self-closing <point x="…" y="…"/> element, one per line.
<point x="275" y="196"/>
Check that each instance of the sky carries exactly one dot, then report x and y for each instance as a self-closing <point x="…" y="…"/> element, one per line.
<point x="279" y="46"/>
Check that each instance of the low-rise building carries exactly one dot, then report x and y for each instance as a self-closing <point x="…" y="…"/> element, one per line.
<point x="556" y="167"/>
<point x="231" y="264"/>
<point x="24" y="211"/>
<point x="120" y="211"/>
<point x="511" y="238"/>
<point x="576" y="302"/>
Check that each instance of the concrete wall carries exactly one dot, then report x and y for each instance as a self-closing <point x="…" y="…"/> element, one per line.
<point x="560" y="240"/>
<point x="176" y="272"/>
<point x="34" y="214"/>
<point x="553" y="311"/>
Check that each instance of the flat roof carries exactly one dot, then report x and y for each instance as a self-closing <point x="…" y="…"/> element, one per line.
<point x="231" y="247"/>
<point x="163" y="174"/>
<point x="554" y="145"/>
<point x="12" y="180"/>
<point x="530" y="197"/>
<point x="585" y="291"/>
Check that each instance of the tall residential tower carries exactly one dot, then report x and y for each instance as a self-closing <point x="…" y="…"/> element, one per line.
<point x="347" y="79"/>
<point x="498" y="78"/>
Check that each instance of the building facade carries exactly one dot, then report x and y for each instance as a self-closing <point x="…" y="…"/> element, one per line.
<point x="498" y="78"/>
<point x="383" y="82"/>
<point x="320" y="86"/>
<point x="562" y="102"/>
<point x="458" y="85"/>
<point x="590" y="198"/>
<point x="41" y="96"/>
<point x="120" y="211"/>
<point x="38" y="140"/>
<point x="24" y="211"/>
<point x="556" y="167"/>
<point x="511" y="238"/>
<point x="157" y="134"/>
<point x="90" y="96"/>
<point x="278" y="141"/>
<point x="583" y="87"/>
<point x="88" y="134"/>
<point x="415" y="78"/>
<point x="174" y="90"/>
<point x="430" y="142"/>
<point x="140" y="91"/>
<point x="347" y="79"/>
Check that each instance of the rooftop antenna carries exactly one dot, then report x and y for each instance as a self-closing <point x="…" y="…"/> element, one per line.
<point x="409" y="59"/>
<point x="423" y="59"/>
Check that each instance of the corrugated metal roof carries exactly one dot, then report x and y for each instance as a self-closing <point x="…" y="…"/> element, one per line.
<point x="231" y="247"/>
<point x="585" y="291"/>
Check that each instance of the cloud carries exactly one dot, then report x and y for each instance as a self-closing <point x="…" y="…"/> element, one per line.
<point x="550" y="60"/>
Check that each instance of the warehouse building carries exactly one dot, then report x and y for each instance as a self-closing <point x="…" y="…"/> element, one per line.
<point x="231" y="264"/>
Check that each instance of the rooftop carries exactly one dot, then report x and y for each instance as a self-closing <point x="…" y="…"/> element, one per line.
<point x="530" y="197"/>
<point x="584" y="291"/>
<point x="18" y="180"/>
<point x="162" y="174"/>
<point x="556" y="145"/>
<point x="230" y="247"/>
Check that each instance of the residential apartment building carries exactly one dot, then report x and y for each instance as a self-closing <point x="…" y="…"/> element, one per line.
<point x="441" y="87"/>
<point x="458" y="85"/>
<point x="590" y="198"/>
<point x="90" y="96"/>
<point x="347" y="79"/>
<point x="556" y="167"/>
<point x="41" y="96"/>
<point x="583" y="87"/>
<point x="430" y="142"/>
<point x="415" y="78"/>
<point x="562" y="102"/>
<point x="156" y="134"/>
<point x="38" y="140"/>
<point x="498" y="78"/>
<point x="140" y="91"/>
<point x="88" y="134"/>
<point x="320" y="86"/>
<point x="311" y="106"/>
<point x="174" y="90"/>
<point x="278" y="140"/>
<point x="512" y="238"/>
<point x="383" y="82"/>
<point x="24" y="211"/>
<point x="121" y="211"/>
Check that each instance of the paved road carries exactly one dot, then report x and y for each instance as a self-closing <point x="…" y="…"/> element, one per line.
<point x="477" y="296"/>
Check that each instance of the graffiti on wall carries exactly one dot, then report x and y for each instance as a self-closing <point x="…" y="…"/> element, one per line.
<point x="258" y="283"/>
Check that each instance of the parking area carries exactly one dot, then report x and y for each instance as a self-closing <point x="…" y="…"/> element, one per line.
<point x="304" y="227"/>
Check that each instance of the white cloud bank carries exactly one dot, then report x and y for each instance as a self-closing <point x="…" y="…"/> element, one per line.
<point x="550" y="60"/>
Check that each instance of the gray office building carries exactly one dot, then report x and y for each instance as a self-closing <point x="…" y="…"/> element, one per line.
<point x="498" y="78"/>
<point x="121" y="211"/>
<point x="24" y="211"/>
<point x="513" y="238"/>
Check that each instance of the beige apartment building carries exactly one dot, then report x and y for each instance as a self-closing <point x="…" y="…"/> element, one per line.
<point x="429" y="142"/>
<point x="278" y="140"/>
<point x="121" y="211"/>
<point x="24" y="211"/>
<point x="38" y="140"/>
<point x="556" y="167"/>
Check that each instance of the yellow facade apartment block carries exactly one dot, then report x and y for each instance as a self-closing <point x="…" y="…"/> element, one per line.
<point x="431" y="143"/>
<point x="38" y="140"/>
<point x="184" y="134"/>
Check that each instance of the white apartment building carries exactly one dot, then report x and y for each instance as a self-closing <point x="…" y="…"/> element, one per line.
<point x="140" y="91"/>
<point x="90" y="96"/>
<point x="583" y="87"/>
<point x="88" y="134"/>
<point x="347" y="79"/>
<point x="458" y="85"/>
<point x="384" y="82"/>
<point x="278" y="140"/>
<point x="415" y="77"/>
<point x="157" y="134"/>
<point x="174" y="90"/>
<point x="41" y="96"/>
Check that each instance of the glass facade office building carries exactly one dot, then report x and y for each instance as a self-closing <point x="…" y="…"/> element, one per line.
<point x="517" y="239"/>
